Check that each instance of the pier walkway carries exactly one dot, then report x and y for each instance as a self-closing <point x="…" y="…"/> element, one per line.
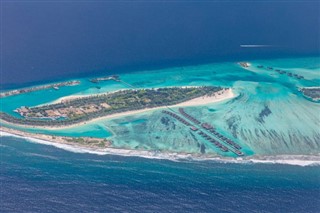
<point x="205" y="127"/>
<point x="207" y="132"/>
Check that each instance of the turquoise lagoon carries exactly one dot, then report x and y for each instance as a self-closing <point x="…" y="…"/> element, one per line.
<point x="268" y="116"/>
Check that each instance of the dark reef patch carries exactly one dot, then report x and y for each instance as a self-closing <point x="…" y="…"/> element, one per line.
<point x="203" y="149"/>
<point x="194" y="137"/>
<point x="263" y="114"/>
<point x="165" y="121"/>
<point x="232" y="125"/>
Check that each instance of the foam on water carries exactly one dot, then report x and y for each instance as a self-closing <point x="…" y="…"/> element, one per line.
<point x="268" y="117"/>
<point x="297" y="160"/>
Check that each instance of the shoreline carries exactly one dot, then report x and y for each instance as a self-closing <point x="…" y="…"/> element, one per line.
<point x="292" y="160"/>
<point x="307" y="96"/>
<point x="225" y="94"/>
<point x="55" y="86"/>
<point x="8" y="85"/>
<point x="75" y="96"/>
<point x="85" y="142"/>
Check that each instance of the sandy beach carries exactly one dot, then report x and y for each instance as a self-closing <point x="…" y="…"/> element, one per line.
<point x="222" y="95"/>
<point x="298" y="160"/>
<point x="72" y="97"/>
<point x="88" y="142"/>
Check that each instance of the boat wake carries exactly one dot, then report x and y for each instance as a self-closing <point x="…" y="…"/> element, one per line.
<point x="296" y="160"/>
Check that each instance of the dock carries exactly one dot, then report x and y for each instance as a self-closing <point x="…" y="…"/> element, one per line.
<point x="179" y="119"/>
<point x="194" y="120"/>
<point x="207" y="132"/>
<point x="54" y="86"/>
<point x="107" y="78"/>
<point x="213" y="141"/>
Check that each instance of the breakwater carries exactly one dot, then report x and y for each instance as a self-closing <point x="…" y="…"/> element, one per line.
<point x="37" y="88"/>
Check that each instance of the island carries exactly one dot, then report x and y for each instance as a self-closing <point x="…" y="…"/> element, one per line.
<point x="86" y="142"/>
<point x="311" y="92"/>
<point x="78" y="110"/>
<point x="124" y="102"/>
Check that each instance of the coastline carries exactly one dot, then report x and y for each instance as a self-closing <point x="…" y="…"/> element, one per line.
<point x="307" y="96"/>
<point x="86" y="142"/>
<point x="293" y="160"/>
<point x="133" y="152"/>
<point x="225" y="94"/>
<point x="40" y="87"/>
<point x="72" y="97"/>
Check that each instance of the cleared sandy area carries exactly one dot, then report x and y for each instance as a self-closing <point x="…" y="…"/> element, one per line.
<point x="218" y="96"/>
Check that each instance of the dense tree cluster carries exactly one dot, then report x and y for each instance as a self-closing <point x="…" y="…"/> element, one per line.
<point x="120" y="101"/>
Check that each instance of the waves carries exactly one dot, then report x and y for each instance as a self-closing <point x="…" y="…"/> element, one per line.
<point x="295" y="160"/>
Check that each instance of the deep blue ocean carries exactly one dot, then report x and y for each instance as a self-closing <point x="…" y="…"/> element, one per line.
<point x="51" y="40"/>
<point x="40" y="178"/>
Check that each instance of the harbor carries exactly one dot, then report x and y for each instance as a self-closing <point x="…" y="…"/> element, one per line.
<point x="55" y="86"/>
<point x="107" y="78"/>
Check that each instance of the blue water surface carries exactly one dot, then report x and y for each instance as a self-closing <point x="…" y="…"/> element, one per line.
<point x="76" y="38"/>
<point x="39" y="178"/>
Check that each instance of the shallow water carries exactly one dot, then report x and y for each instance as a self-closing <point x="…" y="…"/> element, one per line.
<point x="289" y="127"/>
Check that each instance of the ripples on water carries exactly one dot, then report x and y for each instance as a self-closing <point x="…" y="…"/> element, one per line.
<point x="39" y="178"/>
<point x="288" y="127"/>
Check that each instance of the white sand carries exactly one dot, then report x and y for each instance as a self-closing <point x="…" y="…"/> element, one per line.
<point x="72" y="97"/>
<point x="204" y="100"/>
<point x="219" y="96"/>
<point x="297" y="160"/>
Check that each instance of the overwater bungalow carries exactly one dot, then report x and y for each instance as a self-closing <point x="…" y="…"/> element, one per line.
<point x="181" y="110"/>
<point x="207" y="126"/>
<point x="194" y="128"/>
<point x="224" y="149"/>
<point x="244" y="64"/>
<point x="239" y="153"/>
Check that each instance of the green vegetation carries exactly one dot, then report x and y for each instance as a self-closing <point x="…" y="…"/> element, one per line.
<point x="85" y="109"/>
